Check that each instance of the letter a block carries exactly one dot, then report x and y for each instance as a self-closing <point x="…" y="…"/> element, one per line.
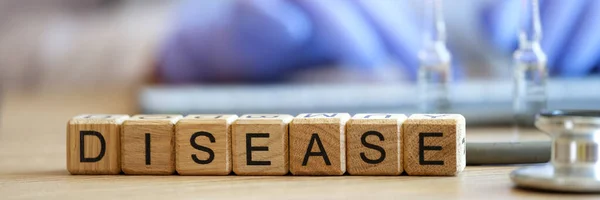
<point x="147" y="144"/>
<point x="93" y="144"/>
<point x="374" y="144"/>
<point x="203" y="144"/>
<point x="434" y="144"/>
<point x="318" y="144"/>
<point x="260" y="144"/>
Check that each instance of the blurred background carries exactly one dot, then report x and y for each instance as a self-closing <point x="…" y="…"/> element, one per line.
<point x="286" y="56"/>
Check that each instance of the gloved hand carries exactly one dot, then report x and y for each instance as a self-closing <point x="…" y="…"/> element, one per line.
<point x="571" y="32"/>
<point x="266" y="40"/>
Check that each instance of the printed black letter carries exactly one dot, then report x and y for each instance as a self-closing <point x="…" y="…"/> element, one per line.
<point x="147" y="148"/>
<point x="363" y="140"/>
<point x="250" y="148"/>
<point x="82" y="135"/>
<point x="321" y="152"/>
<point x="211" y="153"/>
<point x="423" y="148"/>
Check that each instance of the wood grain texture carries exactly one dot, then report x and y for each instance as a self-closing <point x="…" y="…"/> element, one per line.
<point x="434" y="144"/>
<point x="101" y="153"/>
<point x="32" y="165"/>
<point x="195" y="133"/>
<point x="374" y="144"/>
<point x="476" y="182"/>
<point x="318" y="144"/>
<point x="159" y="131"/>
<point x="266" y="137"/>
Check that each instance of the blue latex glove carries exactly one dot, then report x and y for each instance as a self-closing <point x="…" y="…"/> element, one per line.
<point x="266" y="40"/>
<point x="571" y="32"/>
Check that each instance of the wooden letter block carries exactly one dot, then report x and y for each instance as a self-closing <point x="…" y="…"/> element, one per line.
<point x="147" y="144"/>
<point x="260" y="144"/>
<point x="203" y="144"/>
<point x="434" y="144"/>
<point x="318" y="144"/>
<point x="374" y="144"/>
<point x="93" y="144"/>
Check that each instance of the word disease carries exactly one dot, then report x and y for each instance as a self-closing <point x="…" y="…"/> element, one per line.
<point x="267" y="144"/>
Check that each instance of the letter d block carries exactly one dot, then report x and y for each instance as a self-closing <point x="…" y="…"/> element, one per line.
<point x="260" y="144"/>
<point x="318" y="144"/>
<point x="374" y="144"/>
<point x="93" y="144"/>
<point x="203" y="144"/>
<point x="434" y="144"/>
<point x="147" y="144"/>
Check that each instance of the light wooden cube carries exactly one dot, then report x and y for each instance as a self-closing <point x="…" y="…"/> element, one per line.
<point x="93" y="144"/>
<point x="260" y="144"/>
<point x="374" y="144"/>
<point x="318" y="144"/>
<point x="203" y="144"/>
<point x="147" y="144"/>
<point x="434" y="144"/>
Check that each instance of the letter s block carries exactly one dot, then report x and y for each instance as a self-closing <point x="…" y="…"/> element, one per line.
<point x="203" y="144"/>
<point x="318" y="144"/>
<point x="260" y="144"/>
<point x="434" y="144"/>
<point x="374" y="144"/>
<point x="148" y="144"/>
<point x="93" y="144"/>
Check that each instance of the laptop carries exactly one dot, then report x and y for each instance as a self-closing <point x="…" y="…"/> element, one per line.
<point x="481" y="102"/>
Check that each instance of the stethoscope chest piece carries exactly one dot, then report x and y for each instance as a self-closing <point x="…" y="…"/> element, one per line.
<point x="575" y="161"/>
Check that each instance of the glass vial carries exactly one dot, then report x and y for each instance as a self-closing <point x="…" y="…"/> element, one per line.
<point x="434" y="72"/>
<point x="530" y="73"/>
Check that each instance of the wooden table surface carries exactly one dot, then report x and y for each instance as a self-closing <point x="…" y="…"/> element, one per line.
<point x="32" y="164"/>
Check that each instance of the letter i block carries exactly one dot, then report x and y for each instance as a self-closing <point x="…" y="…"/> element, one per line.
<point x="93" y="144"/>
<point x="147" y="144"/>
<point x="203" y="144"/>
<point x="434" y="144"/>
<point x="374" y="144"/>
<point x="318" y="144"/>
<point x="260" y="144"/>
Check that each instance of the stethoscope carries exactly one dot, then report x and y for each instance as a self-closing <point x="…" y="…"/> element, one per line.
<point x="575" y="158"/>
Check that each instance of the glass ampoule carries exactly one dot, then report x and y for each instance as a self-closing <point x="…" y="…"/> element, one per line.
<point x="434" y="72"/>
<point x="530" y="72"/>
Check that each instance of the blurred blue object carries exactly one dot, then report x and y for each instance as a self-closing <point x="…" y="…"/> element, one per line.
<point x="570" y="32"/>
<point x="271" y="40"/>
<point x="265" y="40"/>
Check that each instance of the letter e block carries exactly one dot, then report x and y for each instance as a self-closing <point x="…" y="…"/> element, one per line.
<point x="203" y="144"/>
<point x="434" y="144"/>
<point x="374" y="144"/>
<point x="147" y="144"/>
<point x="318" y="144"/>
<point x="260" y="144"/>
<point x="93" y="144"/>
